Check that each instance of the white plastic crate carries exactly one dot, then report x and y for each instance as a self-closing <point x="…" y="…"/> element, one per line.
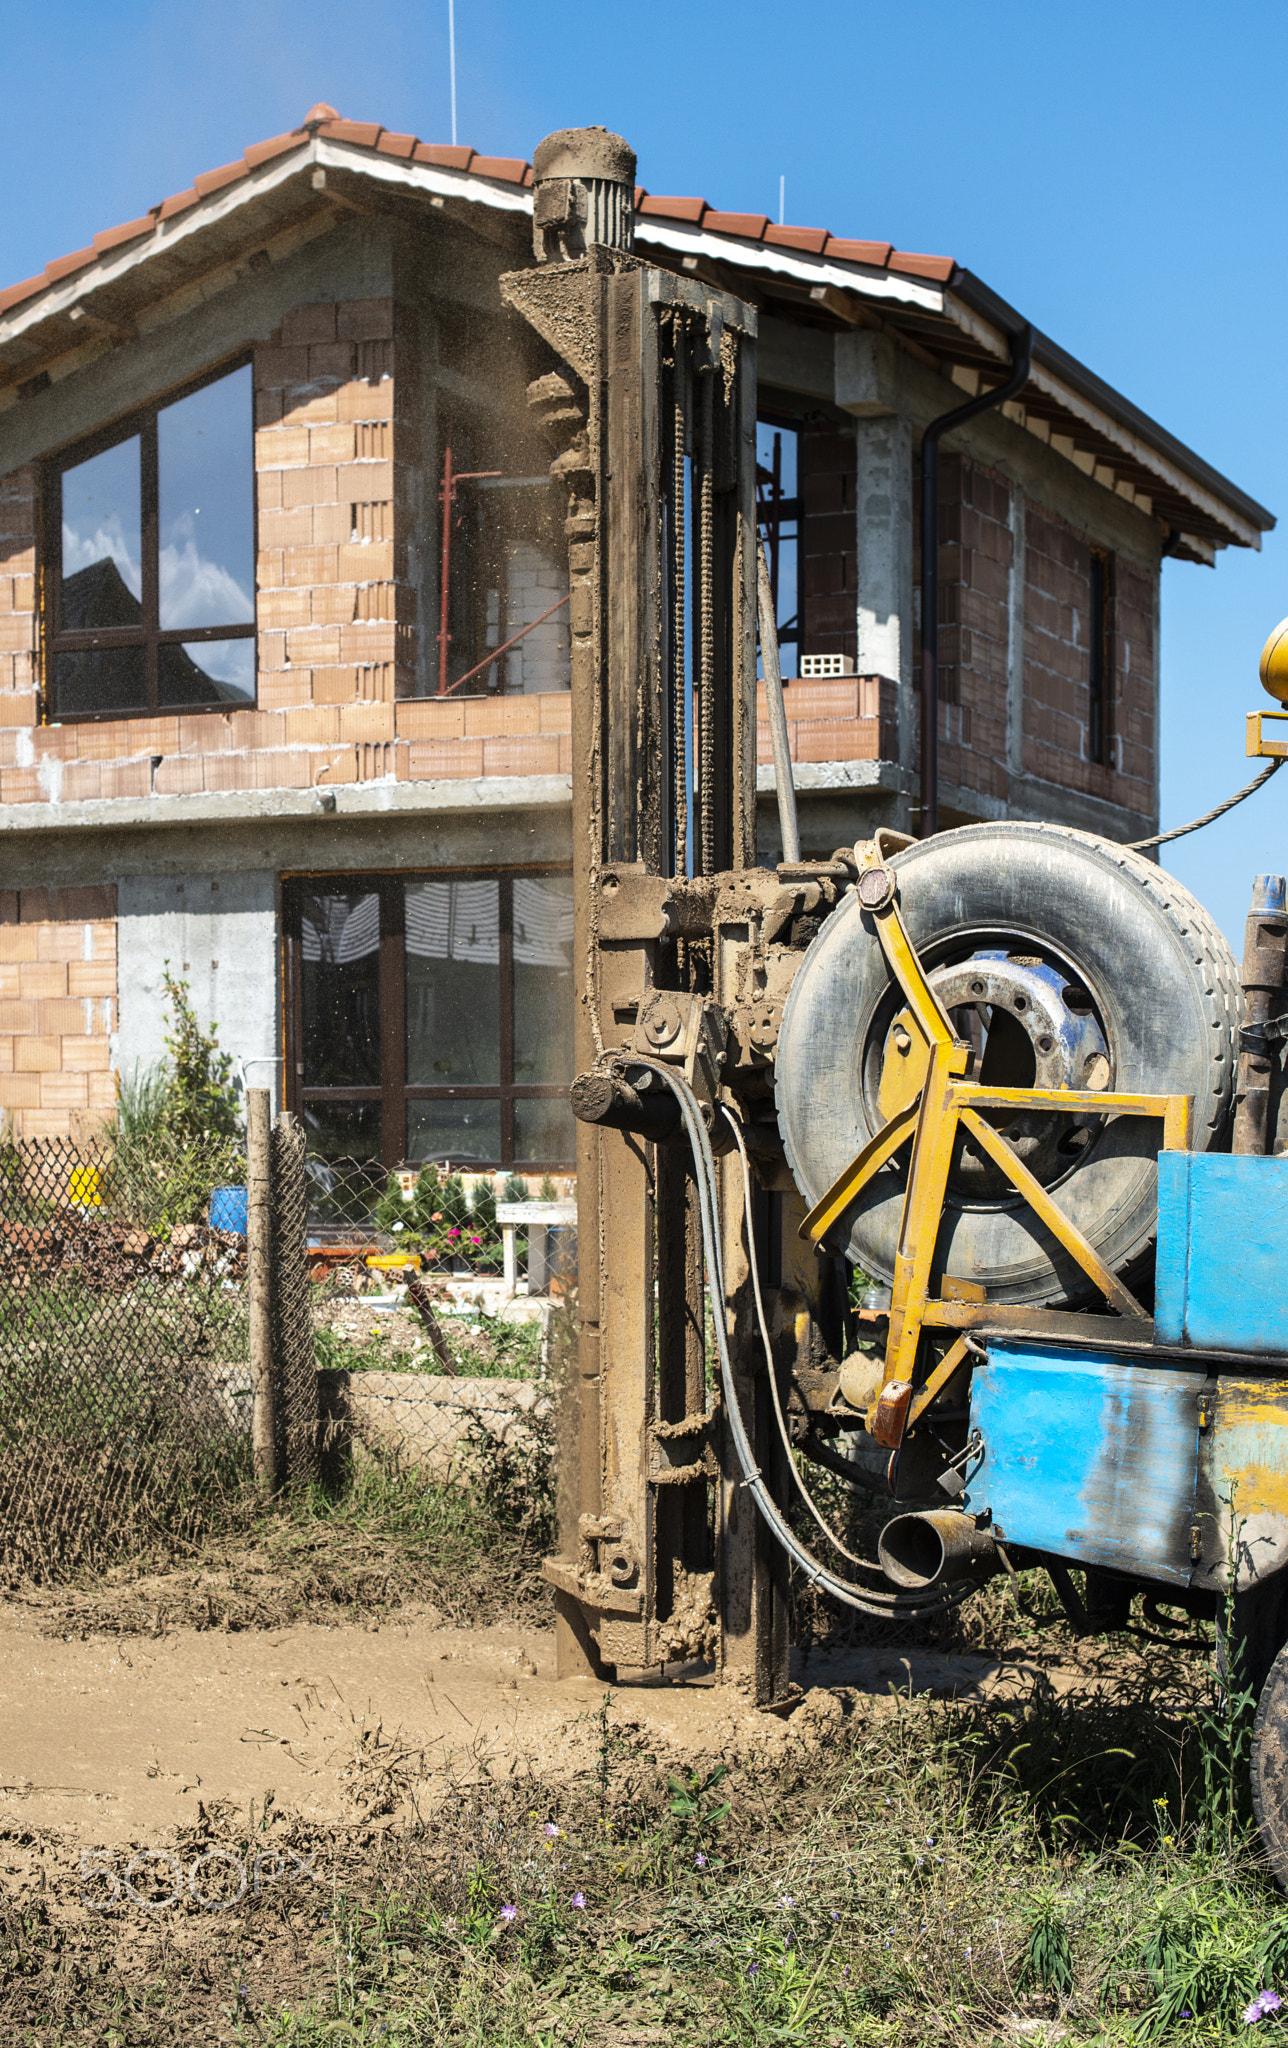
<point x="818" y="667"/>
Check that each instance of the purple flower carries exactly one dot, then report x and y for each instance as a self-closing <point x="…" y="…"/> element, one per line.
<point x="579" y="1901"/>
<point x="509" y="1912"/>
<point x="699" y="1861"/>
<point x="754" y="1971"/>
<point x="1265" y="2002"/>
<point x="550" y="1831"/>
<point x="784" y="1903"/>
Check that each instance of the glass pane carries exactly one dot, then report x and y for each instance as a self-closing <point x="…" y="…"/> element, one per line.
<point x="340" y="957"/>
<point x="464" y="1133"/>
<point x="453" y="983"/>
<point x="544" y="1129"/>
<point x="101" y="679"/>
<point x="338" y="1132"/>
<point x="206" y="672"/>
<point x="543" y="1004"/>
<point x="205" y="477"/>
<point x="102" y="580"/>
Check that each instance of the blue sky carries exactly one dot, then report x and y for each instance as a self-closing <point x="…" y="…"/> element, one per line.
<point x="1110" y="169"/>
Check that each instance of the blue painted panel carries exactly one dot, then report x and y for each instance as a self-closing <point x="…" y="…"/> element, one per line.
<point x="1091" y="1457"/>
<point x="1222" y="1269"/>
<point x="1171" y="1264"/>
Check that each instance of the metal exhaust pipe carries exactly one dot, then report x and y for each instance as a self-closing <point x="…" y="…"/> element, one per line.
<point x="923" y="1550"/>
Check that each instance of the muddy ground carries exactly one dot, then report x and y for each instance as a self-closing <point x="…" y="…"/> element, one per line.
<point x="108" y="1738"/>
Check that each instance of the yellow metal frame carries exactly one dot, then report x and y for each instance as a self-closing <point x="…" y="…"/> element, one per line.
<point x="944" y="1101"/>
<point x="1259" y="748"/>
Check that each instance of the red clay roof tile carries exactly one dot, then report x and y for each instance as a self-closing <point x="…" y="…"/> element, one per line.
<point x="16" y="293"/>
<point x="857" y="252"/>
<point x="674" y="209"/>
<point x="939" y="267"/>
<point x="812" y="241"/>
<point x="751" y="226"/>
<point x="445" y="154"/>
<point x="62" y="266"/>
<point x="214" y="181"/>
<point x="365" y="133"/>
<point x="511" y="168"/>
<point x="112" y="238"/>
<point x="178" y="202"/>
<point x="278" y="145"/>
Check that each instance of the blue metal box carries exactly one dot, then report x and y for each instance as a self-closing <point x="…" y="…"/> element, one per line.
<point x="1222" y="1252"/>
<point x="1091" y="1457"/>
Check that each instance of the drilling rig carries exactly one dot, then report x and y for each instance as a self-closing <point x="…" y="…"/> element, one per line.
<point x="922" y="1164"/>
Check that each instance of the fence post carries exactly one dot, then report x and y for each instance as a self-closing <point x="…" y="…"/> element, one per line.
<point x="259" y="1280"/>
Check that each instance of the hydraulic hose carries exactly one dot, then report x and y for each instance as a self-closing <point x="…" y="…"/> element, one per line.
<point x="882" y="1607"/>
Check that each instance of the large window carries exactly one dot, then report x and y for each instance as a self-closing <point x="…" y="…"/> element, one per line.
<point x="150" y="560"/>
<point x="432" y="1017"/>
<point x="778" y="509"/>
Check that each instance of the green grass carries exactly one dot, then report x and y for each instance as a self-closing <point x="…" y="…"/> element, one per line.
<point x="924" y="1873"/>
<point x="481" y="1347"/>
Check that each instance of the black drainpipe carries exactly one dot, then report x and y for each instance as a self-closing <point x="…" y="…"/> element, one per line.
<point x="1021" y="355"/>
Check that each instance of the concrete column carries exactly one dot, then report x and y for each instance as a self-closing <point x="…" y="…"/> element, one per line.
<point x="1015" y="641"/>
<point x="883" y="560"/>
<point x="868" y="385"/>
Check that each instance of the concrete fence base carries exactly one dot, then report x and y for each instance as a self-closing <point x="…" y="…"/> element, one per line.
<point x="424" y="1419"/>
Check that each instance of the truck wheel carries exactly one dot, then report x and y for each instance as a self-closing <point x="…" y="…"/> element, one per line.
<point x="1069" y="962"/>
<point x="1269" y="1767"/>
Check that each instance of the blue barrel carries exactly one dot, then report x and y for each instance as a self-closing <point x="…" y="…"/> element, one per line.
<point x="228" y="1210"/>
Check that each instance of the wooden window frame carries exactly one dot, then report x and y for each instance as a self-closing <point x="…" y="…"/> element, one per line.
<point x="150" y="634"/>
<point x="394" y="1093"/>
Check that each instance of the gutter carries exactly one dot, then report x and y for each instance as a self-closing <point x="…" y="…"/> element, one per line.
<point x="1021" y="356"/>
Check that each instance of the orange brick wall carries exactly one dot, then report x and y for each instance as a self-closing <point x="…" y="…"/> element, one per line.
<point x="1057" y="606"/>
<point x="57" y="1010"/>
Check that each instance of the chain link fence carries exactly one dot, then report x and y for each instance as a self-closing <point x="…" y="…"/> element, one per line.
<point x="125" y="1389"/>
<point x="430" y="1344"/>
<point x="130" y="1364"/>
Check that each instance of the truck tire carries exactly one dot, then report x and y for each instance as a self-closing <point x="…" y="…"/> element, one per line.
<point x="1268" y="1764"/>
<point x="1099" y="968"/>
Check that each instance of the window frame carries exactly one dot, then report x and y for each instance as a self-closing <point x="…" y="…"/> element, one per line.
<point x="394" y="1093"/>
<point x="1100" y="658"/>
<point x="149" y="634"/>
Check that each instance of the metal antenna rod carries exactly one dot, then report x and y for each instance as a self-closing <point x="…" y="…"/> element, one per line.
<point x="451" y="59"/>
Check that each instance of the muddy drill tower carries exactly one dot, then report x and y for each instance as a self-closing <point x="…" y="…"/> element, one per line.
<point x="652" y="397"/>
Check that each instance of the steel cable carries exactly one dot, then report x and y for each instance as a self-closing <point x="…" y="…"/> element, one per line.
<point x="1209" y="817"/>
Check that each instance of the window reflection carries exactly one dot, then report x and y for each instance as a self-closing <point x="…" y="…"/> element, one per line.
<point x="463" y="1132"/>
<point x="340" y="975"/>
<point x="102" y="540"/>
<point x="205" y="506"/>
<point x="543" y="1005"/>
<point x="206" y="672"/>
<point x="453" y="983"/>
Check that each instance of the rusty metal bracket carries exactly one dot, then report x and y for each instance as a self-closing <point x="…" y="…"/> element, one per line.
<point x="681" y="1451"/>
<point x="687" y="1032"/>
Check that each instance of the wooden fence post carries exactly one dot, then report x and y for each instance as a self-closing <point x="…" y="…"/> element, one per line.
<point x="259" y="1267"/>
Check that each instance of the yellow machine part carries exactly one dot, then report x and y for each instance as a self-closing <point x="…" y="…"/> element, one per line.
<point x="1274" y="663"/>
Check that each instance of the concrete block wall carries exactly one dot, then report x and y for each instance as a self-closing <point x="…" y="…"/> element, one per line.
<point x="57" y="1010"/>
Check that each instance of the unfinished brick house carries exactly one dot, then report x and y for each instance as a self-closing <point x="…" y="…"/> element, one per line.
<point x="284" y="653"/>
